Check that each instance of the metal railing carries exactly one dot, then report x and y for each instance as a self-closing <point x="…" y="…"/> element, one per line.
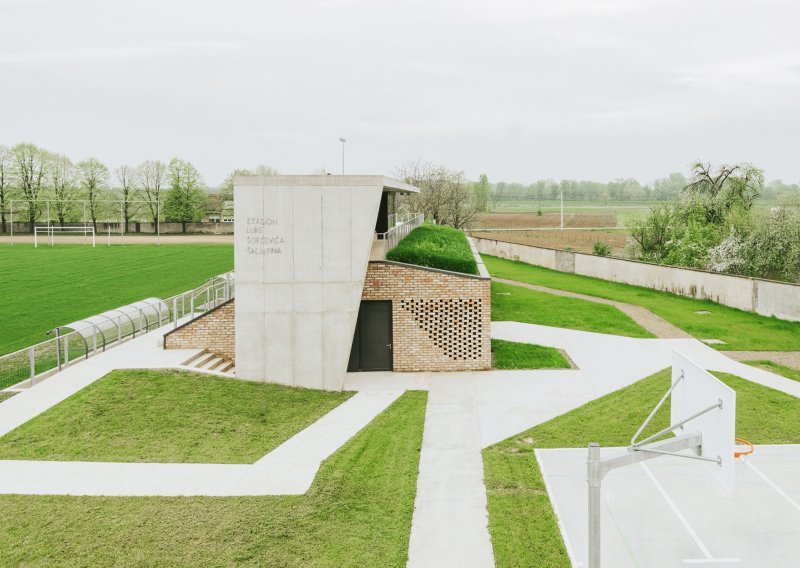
<point x="104" y="331"/>
<point x="401" y="230"/>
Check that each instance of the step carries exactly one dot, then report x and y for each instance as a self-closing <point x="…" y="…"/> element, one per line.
<point x="193" y="359"/>
<point x="211" y="364"/>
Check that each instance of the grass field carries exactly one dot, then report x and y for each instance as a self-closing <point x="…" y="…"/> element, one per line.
<point x="521" y="519"/>
<point x="169" y="417"/>
<point x="514" y="303"/>
<point x="512" y="355"/>
<point x="46" y="287"/>
<point x="741" y="331"/>
<point x="357" y="513"/>
<point x="773" y="367"/>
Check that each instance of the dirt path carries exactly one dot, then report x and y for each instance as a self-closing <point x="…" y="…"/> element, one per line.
<point x="133" y="239"/>
<point x="644" y="317"/>
<point x="786" y="358"/>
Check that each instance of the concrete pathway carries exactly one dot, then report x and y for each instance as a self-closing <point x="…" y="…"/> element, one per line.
<point x="450" y="522"/>
<point x="471" y="411"/>
<point x="290" y="469"/>
<point x="644" y="317"/>
<point x="466" y="412"/>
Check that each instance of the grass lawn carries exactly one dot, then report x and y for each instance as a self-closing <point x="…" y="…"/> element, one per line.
<point x="436" y="246"/>
<point x="170" y="417"/>
<point x="521" y="519"/>
<point x="46" y="287"/>
<point x="514" y="303"/>
<point x="513" y="355"/>
<point x="741" y="331"/>
<point x="357" y="513"/>
<point x="787" y="372"/>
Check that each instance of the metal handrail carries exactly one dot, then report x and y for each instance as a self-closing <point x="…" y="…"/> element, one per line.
<point x="24" y="366"/>
<point x="400" y="231"/>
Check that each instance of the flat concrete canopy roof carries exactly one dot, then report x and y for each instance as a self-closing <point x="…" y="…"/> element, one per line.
<point x="388" y="184"/>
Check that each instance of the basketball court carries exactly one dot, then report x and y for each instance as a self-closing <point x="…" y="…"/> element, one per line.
<point x="682" y="500"/>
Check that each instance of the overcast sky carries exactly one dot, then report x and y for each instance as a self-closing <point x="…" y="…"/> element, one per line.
<point x="516" y="89"/>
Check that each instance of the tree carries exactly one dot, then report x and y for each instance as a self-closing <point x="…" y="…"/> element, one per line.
<point x="152" y="176"/>
<point x="265" y="170"/>
<point x="127" y="181"/>
<point x="728" y="188"/>
<point x="445" y="196"/>
<point x="94" y="180"/>
<point x="226" y="188"/>
<point x="6" y="184"/>
<point x="29" y="164"/>
<point x="186" y="197"/>
<point x="481" y="193"/>
<point x="63" y="178"/>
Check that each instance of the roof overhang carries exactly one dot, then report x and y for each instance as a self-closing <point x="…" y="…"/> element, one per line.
<point x="388" y="184"/>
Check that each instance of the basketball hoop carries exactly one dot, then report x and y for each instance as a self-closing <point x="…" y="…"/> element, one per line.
<point x="743" y="448"/>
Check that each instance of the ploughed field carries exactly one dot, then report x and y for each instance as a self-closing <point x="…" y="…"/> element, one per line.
<point x="584" y="229"/>
<point x="45" y="287"/>
<point x="548" y="219"/>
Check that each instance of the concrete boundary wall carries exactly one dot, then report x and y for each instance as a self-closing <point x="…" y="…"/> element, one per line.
<point x="765" y="297"/>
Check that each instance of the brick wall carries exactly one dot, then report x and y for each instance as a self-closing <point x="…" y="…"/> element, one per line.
<point x="214" y="331"/>
<point x="441" y="320"/>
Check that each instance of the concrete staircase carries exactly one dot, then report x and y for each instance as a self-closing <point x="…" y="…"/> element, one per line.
<point x="207" y="361"/>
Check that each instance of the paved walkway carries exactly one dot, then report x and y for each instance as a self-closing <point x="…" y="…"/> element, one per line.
<point x="644" y="317"/>
<point x="466" y="412"/>
<point x="450" y="523"/>
<point x="471" y="411"/>
<point x="290" y="469"/>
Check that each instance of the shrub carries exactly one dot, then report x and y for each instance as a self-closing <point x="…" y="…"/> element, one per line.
<point x="436" y="246"/>
<point x="601" y="249"/>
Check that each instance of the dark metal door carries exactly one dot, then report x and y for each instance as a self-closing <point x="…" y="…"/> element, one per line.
<point x="372" y="342"/>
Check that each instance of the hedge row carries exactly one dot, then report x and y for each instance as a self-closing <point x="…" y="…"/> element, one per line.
<point x="436" y="246"/>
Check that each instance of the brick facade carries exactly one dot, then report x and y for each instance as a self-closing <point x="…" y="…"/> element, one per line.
<point x="214" y="331"/>
<point x="441" y="320"/>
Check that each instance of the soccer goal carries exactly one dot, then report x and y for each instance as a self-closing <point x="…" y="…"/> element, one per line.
<point x="50" y="231"/>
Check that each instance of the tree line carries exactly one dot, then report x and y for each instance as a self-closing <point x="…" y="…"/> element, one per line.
<point x="39" y="182"/>
<point x="667" y="188"/>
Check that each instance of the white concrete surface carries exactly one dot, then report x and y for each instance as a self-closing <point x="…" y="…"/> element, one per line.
<point x="450" y="523"/>
<point x="301" y="248"/>
<point x="512" y="401"/>
<point x="673" y="512"/>
<point x="766" y="297"/>
<point x="288" y="470"/>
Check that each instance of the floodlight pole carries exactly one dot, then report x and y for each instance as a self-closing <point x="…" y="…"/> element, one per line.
<point x="562" y="209"/>
<point x="342" y="140"/>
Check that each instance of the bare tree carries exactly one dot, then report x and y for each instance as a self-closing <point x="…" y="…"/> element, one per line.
<point x="63" y="181"/>
<point x="265" y="170"/>
<point x="94" y="182"/>
<point x="445" y="195"/>
<point x="29" y="164"/>
<point x="128" y="184"/>
<point x="6" y="184"/>
<point x="152" y="176"/>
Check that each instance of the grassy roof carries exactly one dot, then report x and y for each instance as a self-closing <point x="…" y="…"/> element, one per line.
<point x="436" y="246"/>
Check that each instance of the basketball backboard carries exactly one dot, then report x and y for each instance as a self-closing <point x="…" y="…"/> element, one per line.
<point x="695" y="391"/>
